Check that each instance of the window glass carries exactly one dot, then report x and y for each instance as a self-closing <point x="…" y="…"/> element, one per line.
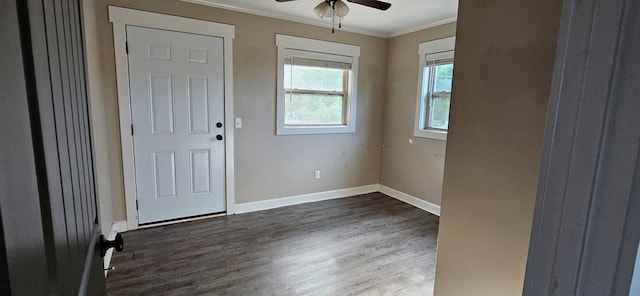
<point x="312" y="78"/>
<point x="314" y="95"/>
<point x="439" y="96"/>
<point x="313" y="109"/>
<point x="443" y="77"/>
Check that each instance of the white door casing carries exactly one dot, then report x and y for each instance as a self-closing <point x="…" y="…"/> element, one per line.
<point x="177" y="104"/>
<point x="122" y="17"/>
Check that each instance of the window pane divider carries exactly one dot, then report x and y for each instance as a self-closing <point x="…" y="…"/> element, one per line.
<point x="313" y="92"/>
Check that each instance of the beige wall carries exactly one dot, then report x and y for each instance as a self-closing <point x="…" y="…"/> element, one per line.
<point x="106" y="140"/>
<point x="413" y="168"/>
<point x="266" y="166"/>
<point x="503" y="66"/>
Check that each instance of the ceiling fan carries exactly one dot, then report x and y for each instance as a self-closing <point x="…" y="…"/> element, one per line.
<point x="337" y="8"/>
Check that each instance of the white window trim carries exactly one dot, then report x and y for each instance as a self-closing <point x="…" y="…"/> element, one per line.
<point x="435" y="48"/>
<point x="313" y="47"/>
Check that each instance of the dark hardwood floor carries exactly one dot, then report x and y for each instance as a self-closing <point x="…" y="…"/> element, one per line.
<point x="363" y="245"/>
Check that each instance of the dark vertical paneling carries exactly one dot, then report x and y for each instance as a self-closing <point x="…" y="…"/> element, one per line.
<point x="64" y="206"/>
<point x="82" y="115"/>
<point x="75" y="99"/>
<point x="586" y="227"/>
<point x="77" y="122"/>
<point x="52" y="204"/>
<point x="48" y="201"/>
<point x="73" y="124"/>
<point x="78" y="235"/>
<point x="82" y="72"/>
<point x="20" y="184"/>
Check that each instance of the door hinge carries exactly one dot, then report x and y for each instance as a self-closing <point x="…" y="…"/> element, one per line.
<point x="136" y="204"/>
<point x="132" y="129"/>
<point x="126" y="46"/>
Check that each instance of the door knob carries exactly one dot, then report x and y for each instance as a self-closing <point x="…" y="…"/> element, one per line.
<point x="105" y="244"/>
<point x="219" y="124"/>
<point x="219" y="137"/>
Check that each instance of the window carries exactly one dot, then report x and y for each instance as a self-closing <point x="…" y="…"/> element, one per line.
<point x="434" y="88"/>
<point x="316" y="86"/>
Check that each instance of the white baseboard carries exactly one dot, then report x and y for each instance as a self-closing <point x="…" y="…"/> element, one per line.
<point x="412" y="200"/>
<point x="116" y="226"/>
<point x="121" y="226"/>
<point x="303" y="198"/>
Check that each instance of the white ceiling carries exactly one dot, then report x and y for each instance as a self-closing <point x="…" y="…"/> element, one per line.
<point x="402" y="17"/>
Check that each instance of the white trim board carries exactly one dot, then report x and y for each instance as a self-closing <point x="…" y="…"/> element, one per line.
<point x="120" y="18"/>
<point x="412" y="200"/>
<point x="303" y="198"/>
<point x="334" y="194"/>
<point x="262" y="205"/>
<point x="116" y="227"/>
<point x="423" y="27"/>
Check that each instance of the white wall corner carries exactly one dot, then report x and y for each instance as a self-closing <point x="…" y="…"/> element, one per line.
<point x="410" y="199"/>
<point x="116" y="227"/>
<point x="303" y="198"/>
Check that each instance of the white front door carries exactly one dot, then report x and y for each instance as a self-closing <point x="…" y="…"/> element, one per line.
<point x="177" y="105"/>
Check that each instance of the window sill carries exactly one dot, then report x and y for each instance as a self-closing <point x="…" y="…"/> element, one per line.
<point x="312" y="130"/>
<point x="431" y="134"/>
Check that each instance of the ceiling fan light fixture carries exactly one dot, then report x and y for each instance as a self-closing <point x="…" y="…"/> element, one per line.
<point x="337" y="9"/>
<point x="341" y="9"/>
<point x="323" y="9"/>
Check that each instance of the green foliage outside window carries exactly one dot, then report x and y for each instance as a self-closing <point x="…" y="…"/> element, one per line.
<point x="307" y="109"/>
<point x="313" y="95"/>
<point x="440" y="96"/>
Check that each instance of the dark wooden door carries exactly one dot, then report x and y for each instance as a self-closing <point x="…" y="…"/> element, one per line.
<point x="50" y="234"/>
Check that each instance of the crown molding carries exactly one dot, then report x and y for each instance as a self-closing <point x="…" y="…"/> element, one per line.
<point x="286" y="17"/>
<point x="320" y="23"/>
<point x="422" y="27"/>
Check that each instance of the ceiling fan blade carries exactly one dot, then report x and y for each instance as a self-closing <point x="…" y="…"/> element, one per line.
<point x="373" y="4"/>
<point x="284" y="0"/>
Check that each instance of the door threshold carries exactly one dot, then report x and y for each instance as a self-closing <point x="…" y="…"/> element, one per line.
<point x="180" y="220"/>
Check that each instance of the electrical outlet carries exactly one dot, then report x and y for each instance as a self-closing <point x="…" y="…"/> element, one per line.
<point x="238" y="122"/>
<point x="317" y="174"/>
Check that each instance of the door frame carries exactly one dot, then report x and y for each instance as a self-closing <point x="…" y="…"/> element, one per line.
<point x="122" y="17"/>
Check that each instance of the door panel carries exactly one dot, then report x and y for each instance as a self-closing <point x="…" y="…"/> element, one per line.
<point x="57" y="216"/>
<point x="164" y="168"/>
<point x="177" y="94"/>
<point x="161" y="104"/>
<point x="198" y="101"/>
<point x="200" y="176"/>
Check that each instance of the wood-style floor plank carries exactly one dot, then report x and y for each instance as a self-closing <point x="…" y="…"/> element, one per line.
<point x="363" y="245"/>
